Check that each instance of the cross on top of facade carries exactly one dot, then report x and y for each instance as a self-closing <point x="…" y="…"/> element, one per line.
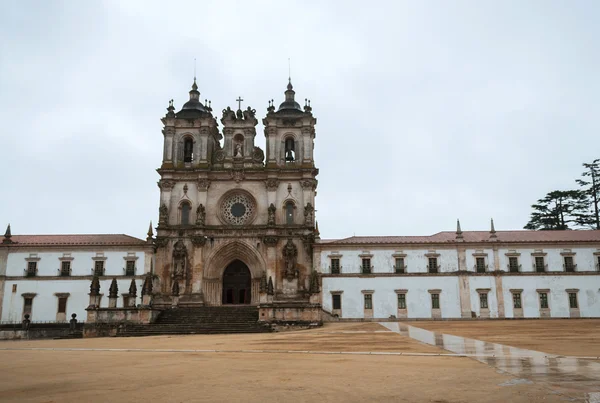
<point x="239" y="101"/>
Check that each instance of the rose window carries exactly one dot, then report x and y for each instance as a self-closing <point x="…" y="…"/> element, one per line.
<point x="238" y="209"/>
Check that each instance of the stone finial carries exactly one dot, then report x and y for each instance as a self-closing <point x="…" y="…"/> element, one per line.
<point x="270" y="288"/>
<point x="492" y="229"/>
<point x="263" y="283"/>
<point x="95" y="286"/>
<point x="7" y="236"/>
<point x="459" y="233"/>
<point x="113" y="291"/>
<point x="147" y="287"/>
<point x="150" y="233"/>
<point x="317" y="233"/>
<point x="132" y="289"/>
<point x="175" y="288"/>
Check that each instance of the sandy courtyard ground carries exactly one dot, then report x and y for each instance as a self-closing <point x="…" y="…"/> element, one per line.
<point x="578" y="338"/>
<point x="273" y="375"/>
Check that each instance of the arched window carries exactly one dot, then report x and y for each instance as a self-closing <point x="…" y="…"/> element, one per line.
<point x="188" y="150"/>
<point x="290" y="150"/>
<point x="185" y="214"/>
<point x="289" y="212"/>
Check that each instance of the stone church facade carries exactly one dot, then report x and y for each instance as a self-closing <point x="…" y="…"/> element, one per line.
<point x="237" y="227"/>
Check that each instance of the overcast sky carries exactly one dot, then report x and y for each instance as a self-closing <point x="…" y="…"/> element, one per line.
<point x="427" y="111"/>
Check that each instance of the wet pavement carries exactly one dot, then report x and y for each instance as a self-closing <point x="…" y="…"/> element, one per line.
<point x="575" y="378"/>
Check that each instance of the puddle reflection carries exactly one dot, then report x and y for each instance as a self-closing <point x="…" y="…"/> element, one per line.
<point x="559" y="371"/>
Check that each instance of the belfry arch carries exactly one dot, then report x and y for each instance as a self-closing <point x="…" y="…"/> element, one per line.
<point x="222" y="258"/>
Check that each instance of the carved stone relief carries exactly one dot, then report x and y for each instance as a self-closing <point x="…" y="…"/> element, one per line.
<point x="290" y="257"/>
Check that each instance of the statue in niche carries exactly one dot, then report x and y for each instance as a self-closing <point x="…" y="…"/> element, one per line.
<point x="163" y="214"/>
<point x="271" y="217"/>
<point x="290" y="256"/>
<point x="309" y="212"/>
<point x="179" y="258"/>
<point x="238" y="150"/>
<point x="200" y="215"/>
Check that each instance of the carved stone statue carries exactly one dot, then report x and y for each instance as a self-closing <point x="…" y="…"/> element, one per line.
<point x="309" y="213"/>
<point x="163" y="214"/>
<point x="290" y="256"/>
<point x="200" y="215"/>
<point x="238" y="150"/>
<point x="179" y="258"/>
<point x="271" y="218"/>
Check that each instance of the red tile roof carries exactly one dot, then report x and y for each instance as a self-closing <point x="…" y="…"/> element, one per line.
<point x="87" y="239"/>
<point x="523" y="236"/>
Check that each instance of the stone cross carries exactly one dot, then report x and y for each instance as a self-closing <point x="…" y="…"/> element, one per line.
<point x="239" y="101"/>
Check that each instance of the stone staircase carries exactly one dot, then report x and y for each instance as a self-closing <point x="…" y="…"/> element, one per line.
<point x="200" y="320"/>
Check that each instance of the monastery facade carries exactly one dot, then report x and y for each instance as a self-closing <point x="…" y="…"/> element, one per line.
<point x="237" y="226"/>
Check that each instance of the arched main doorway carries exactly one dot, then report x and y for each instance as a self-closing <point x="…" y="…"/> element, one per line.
<point x="237" y="283"/>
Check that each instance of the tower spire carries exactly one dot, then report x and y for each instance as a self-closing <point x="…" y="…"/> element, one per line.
<point x="150" y="233"/>
<point x="459" y="233"/>
<point x="7" y="235"/>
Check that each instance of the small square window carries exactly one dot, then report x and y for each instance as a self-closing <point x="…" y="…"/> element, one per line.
<point x="31" y="269"/>
<point x="573" y="300"/>
<point x="65" y="268"/>
<point x="335" y="266"/>
<point x="99" y="268"/>
<point x="14" y="288"/>
<point x="569" y="266"/>
<point x="543" y="300"/>
<point x="540" y="266"/>
<point x="368" y="301"/>
<point x="399" y="268"/>
<point x="513" y="264"/>
<point x="483" y="300"/>
<point x="480" y="263"/>
<point x="433" y="265"/>
<point x="366" y="265"/>
<point x="130" y="268"/>
<point x="435" y="301"/>
<point x="401" y="301"/>
<point x="517" y="300"/>
<point x="336" y="301"/>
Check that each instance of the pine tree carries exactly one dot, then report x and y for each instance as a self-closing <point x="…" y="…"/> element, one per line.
<point x="559" y="210"/>
<point x="591" y="189"/>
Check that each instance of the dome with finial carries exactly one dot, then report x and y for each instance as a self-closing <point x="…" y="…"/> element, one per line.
<point x="193" y="108"/>
<point x="289" y="105"/>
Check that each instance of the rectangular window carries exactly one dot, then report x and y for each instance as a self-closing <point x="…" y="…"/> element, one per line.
<point x="483" y="301"/>
<point x="399" y="265"/>
<point x="513" y="264"/>
<point x="27" y="306"/>
<point x="335" y="266"/>
<point x="336" y="301"/>
<point x="543" y="300"/>
<point x="125" y="300"/>
<point x="569" y="264"/>
<point x="573" y="300"/>
<point x="65" y="268"/>
<point x="366" y="265"/>
<point x="401" y="301"/>
<point x="99" y="268"/>
<point x="433" y="266"/>
<point x="31" y="269"/>
<point x="598" y="264"/>
<point x="62" y="305"/>
<point x="517" y="300"/>
<point x="130" y="268"/>
<point x="540" y="267"/>
<point x="435" y="301"/>
<point x="480" y="263"/>
<point x="368" y="301"/>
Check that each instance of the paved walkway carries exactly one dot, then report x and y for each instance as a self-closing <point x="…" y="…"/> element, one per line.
<point x="568" y="375"/>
